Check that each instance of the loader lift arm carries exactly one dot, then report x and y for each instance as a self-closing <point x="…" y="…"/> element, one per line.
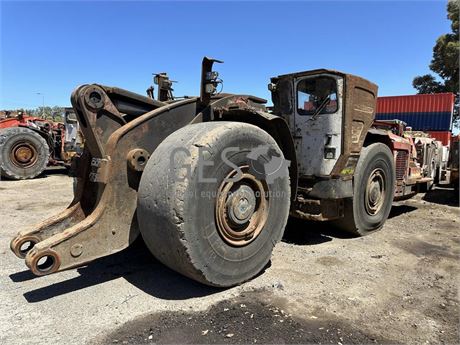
<point x="101" y="218"/>
<point x="122" y="129"/>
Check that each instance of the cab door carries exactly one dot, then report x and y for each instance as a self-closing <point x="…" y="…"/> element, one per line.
<point x="318" y="123"/>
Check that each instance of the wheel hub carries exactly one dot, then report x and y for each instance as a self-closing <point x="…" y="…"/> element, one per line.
<point x="241" y="205"/>
<point x="23" y="154"/>
<point x="241" y="208"/>
<point x="375" y="192"/>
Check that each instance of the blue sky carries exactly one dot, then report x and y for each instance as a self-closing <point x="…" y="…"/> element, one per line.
<point x="51" y="47"/>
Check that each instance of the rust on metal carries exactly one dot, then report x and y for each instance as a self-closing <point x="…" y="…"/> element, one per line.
<point x="137" y="159"/>
<point x="23" y="154"/>
<point x="241" y="207"/>
<point x="122" y="129"/>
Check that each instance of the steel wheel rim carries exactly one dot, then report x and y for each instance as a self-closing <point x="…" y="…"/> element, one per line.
<point x="375" y="192"/>
<point x="23" y="154"/>
<point x="241" y="208"/>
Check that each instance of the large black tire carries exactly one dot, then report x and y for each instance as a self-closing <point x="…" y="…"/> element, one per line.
<point x="373" y="187"/>
<point x="182" y="222"/>
<point x="24" y="153"/>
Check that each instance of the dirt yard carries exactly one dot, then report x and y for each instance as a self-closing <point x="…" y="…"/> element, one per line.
<point x="399" y="285"/>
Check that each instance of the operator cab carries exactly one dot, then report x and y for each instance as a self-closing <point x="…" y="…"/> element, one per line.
<point x="328" y="113"/>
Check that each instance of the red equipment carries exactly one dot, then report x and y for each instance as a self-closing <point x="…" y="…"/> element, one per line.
<point x="29" y="144"/>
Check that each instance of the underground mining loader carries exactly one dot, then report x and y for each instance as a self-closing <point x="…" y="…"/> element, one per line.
<point x="209" y="181"/>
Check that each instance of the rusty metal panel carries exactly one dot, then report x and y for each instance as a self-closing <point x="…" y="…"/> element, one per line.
<point x="360" y="100"/>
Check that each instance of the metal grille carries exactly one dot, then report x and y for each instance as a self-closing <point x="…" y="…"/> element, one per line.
<point x="401" y="164"/>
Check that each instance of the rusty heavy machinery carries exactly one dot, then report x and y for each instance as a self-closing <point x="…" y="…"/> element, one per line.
<point x="429" y="156"/>
<point x="425" y="153"/>
<point x="432" y="156"/>
<point x="29" y="144"/>
<point x="209" y="181"/>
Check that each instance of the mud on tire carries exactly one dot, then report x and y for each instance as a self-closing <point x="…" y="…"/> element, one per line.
<point x="203" y="229"/>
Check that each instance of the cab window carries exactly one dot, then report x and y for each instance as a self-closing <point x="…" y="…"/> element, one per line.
<point x="316" y="96"/>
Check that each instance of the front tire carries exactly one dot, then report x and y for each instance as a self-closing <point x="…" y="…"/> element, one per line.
<point x="373" y="186"/>
<point x="214" y="226"/>
<point x="24" y="153"/>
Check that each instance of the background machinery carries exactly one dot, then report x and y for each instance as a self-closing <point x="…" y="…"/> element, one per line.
<point x="29" y="144"/>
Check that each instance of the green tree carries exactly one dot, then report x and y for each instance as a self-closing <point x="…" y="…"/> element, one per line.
<point x="49" y="113"/>
<point x="444" y="62"/>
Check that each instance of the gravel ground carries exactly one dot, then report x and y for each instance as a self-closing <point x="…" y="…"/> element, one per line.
<point x="399" y="285"/>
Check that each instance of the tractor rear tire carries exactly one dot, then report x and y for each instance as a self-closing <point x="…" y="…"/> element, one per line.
<point x="200" y="217"/>
<point x="24" y="153"/>
<point x="373" y="187"/>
